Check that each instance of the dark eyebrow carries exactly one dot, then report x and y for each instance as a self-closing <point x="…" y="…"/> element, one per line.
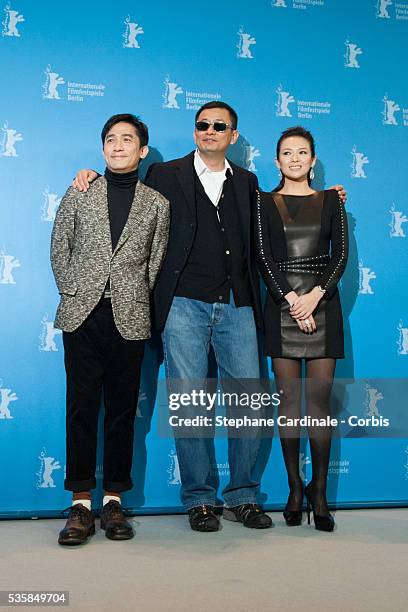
<point x="131" y="135"/>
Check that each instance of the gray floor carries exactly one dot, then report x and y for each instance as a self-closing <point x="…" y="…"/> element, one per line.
<point x="362" y="566"/>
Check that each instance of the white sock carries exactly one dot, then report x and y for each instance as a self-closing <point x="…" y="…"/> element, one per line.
<point x="84" y="502"/>
<point x="108" y="498"/>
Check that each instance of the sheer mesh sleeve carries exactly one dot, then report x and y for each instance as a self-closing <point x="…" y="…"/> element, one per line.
<point x="339" y="247"/>
<point x="275" y="281"/>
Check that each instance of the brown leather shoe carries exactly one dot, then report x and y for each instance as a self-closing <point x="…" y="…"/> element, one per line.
<point x="114" y="523"/>
<point x="79" y="526"/>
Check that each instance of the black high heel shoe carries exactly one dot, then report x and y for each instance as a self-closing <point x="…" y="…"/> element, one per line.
<point x="293" y="518"/>
<point x="322" y="522"/>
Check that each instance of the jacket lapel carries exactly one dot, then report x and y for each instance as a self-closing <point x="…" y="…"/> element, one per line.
<point x="240" y="183"/>
<point x="185" y="176"/>
<point x="139" y="205"/>
<point x="101" y="211"/>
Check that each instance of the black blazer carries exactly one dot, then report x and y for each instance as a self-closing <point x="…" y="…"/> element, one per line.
<point x="175" y="180"/>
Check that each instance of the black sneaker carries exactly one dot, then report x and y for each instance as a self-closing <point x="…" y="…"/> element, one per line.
<point x="79" y="526"/>
<point x="203" y="518"/>
<point x="250" y="515"/>
<point x="114" y="523"/>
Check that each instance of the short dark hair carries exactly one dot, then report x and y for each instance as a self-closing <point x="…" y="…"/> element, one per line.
<point x="215" y="104"/>
<point x="140" y="127"/>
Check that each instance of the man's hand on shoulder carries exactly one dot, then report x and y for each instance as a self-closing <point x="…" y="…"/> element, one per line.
<point x="341" y="191"/>
<point x="83" y="179"/>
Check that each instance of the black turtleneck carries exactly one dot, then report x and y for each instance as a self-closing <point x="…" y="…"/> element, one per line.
<point x="121" y="191"/>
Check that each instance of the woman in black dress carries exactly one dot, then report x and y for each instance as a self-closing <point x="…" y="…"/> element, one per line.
<point x="302" y="248"/>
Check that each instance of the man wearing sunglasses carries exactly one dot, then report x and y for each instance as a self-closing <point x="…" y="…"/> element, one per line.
<point x="207" y="295"/>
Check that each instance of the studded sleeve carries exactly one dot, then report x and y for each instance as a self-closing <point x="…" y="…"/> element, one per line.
<point x="275" y="281"/>
<point x="339" y="247"/>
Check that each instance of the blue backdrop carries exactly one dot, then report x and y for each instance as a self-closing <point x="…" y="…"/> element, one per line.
<point x="338" y="68"/>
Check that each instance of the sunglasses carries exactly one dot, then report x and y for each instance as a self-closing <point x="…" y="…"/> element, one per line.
<point x="219" y="126"/>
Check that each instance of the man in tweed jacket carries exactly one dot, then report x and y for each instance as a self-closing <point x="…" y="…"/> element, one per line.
<point x="106" y="251"/>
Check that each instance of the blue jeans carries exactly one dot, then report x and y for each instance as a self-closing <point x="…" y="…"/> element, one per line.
<point x="191" y="327"/>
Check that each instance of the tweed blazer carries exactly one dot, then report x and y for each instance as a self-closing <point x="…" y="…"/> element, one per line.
<point x="82" y="259"/>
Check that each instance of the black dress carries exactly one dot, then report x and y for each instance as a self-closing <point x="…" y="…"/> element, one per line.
<point x="301" y="242"/>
